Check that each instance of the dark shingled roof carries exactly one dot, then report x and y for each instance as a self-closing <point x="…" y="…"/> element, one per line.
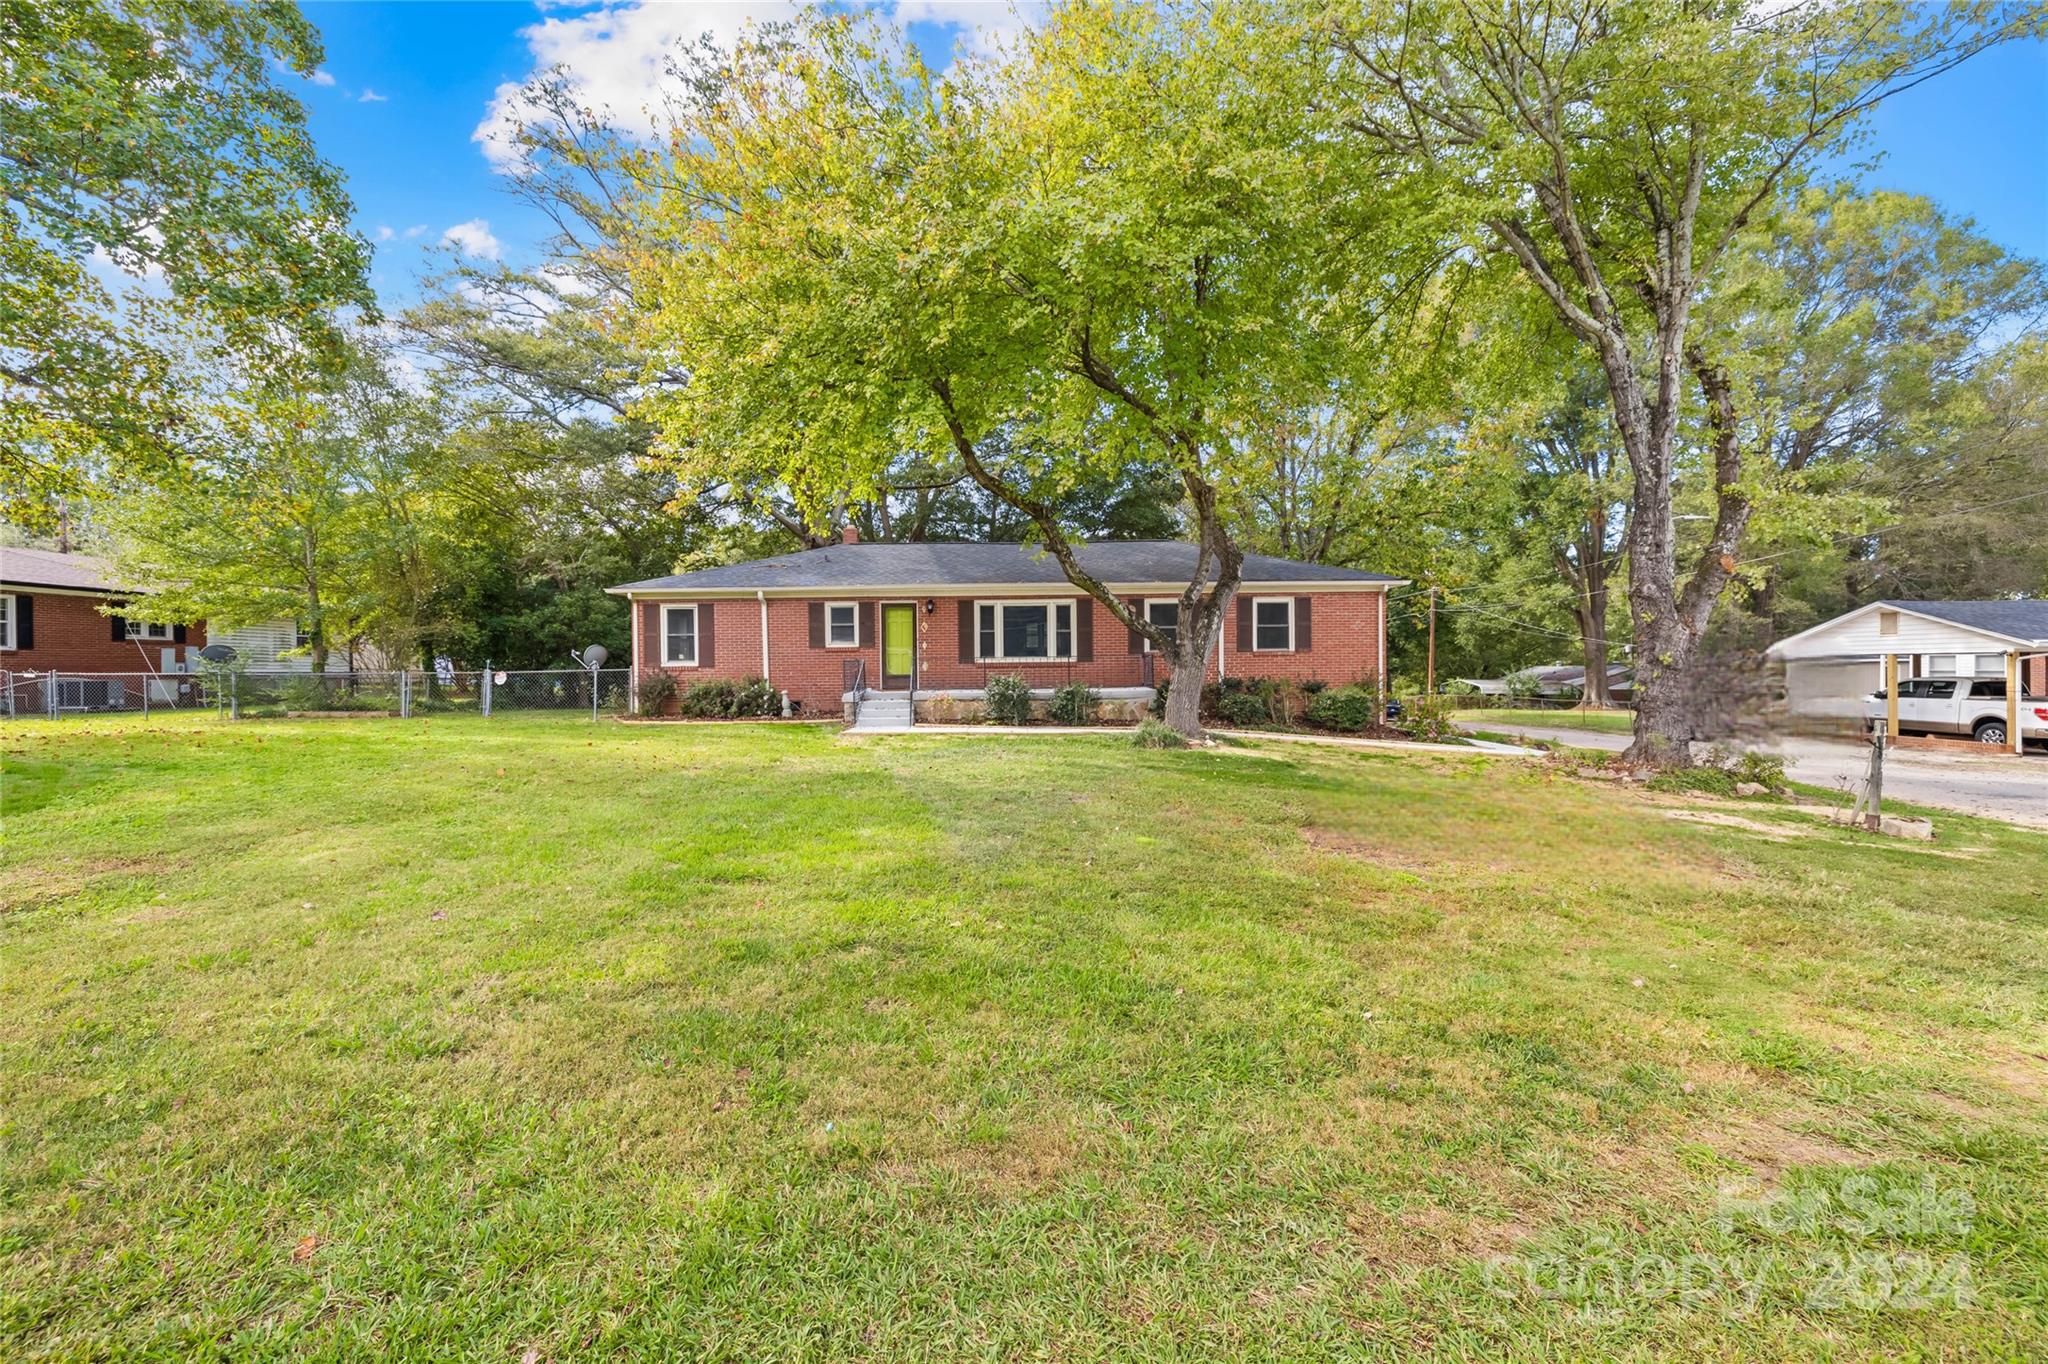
<point x="48" y="568"/>
<point x="2026" y="620"/>
<point x="849" y="567"/>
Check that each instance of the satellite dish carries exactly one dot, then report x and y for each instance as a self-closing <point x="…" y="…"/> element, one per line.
<point x="218" y="653"/>
<point x="594" y="656"/>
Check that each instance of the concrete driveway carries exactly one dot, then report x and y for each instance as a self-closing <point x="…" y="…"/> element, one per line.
<point x="2004" y="786"/>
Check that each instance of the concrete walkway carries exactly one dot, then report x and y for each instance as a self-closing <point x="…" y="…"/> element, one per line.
<point x="2001" y="785"/>
<point x="1475" y="749"/>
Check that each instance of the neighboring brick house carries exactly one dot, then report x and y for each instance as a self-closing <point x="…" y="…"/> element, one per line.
<point x="51" y="620"/>
<point x="939" y="619"/>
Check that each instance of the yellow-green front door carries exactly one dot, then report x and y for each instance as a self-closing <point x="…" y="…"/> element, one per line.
<point x="899" y="632"/>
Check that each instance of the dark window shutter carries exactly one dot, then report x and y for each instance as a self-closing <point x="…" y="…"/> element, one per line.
<point x="1244" y="625"/>
<point x="1137" y="605"/>
<point x="966" y="630"/>
<point x="24" y="622"/>
<point x="1302" y="639"/>
<point x="652" y="649"/>
<point x="866" y="612"/>
<point x="120" y="629"/>
<point x="706" y="636"/>
<point x="177" y="634"/>
<point x="817" y="625"/>
<point x="1084" y="629"/>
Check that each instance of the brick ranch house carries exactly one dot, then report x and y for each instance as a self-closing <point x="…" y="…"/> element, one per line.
<point x="930" y="623"/>
<point x="60" y="613"/>
<point x="51" y="620"/>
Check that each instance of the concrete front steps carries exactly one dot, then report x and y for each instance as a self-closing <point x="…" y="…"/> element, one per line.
<point x="884" y="711"/>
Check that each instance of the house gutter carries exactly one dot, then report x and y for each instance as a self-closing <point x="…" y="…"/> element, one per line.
<point x="763" y="597"/>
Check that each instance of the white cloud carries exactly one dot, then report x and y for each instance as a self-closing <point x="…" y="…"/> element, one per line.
<point x="370" y="96"/>
<point x="473" y="238"/>
<point x="321" y="76"/>
<point x="385" y="234"/>
<point x="416" y="230"/>
<point x="617" y="59"/>
<point x="617" y="55"/>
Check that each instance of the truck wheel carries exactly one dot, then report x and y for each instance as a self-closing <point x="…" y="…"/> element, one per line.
<point x="1991" y="732"/>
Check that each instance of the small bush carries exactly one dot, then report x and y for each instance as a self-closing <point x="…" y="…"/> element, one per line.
<point x="1313" y="685"/>
<point x="1073" y="704"/>
<point x="1428" y="719"/>
<point x="1348" y="710"/>
<point x="656" y="691"/>
<point x="756" y="699"/>
<point x="722" y="698"/>
<point x="1764" y="769"/>
<point x="1243" y="708"/>
<point x="1009" y="699"/>
<point x="1157" y="734"/>
<point x="710" y="700"/>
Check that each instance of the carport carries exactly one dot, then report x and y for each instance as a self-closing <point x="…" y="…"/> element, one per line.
<point x="1961" y="639"/>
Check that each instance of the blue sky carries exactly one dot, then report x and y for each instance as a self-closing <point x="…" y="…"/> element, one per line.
<point x="406" y="85"/>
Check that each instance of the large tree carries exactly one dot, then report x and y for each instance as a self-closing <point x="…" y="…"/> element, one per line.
<point x="1110" y="247"/>
<point x="161" y="194"/>
<point x="1617" y="158"/>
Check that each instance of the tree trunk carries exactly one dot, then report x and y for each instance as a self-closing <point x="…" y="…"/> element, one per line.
<point x="1194" y="644"/>
<point x="1593" y="631"/>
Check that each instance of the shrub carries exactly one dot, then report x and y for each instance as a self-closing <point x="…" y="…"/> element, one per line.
<point x="1009" y="699"/>
<point x="1239" y="707"/>
<point x="1073" y="704"/>
<point x="1523" y="686"/>
<point x="1156" y="734"/>
<point x="708" y="700"/>
<point x="1764" y="769"/>
<point x="755" y="698"/>
<point x="1428" y="718"/>
<point x="1345" y="709"/>
<point x="721" y="698"/>
<point x="656" y="691"/>
<point x="1313" y="685"/>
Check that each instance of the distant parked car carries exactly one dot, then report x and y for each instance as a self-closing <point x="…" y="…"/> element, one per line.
<point x="1968" y="706"/>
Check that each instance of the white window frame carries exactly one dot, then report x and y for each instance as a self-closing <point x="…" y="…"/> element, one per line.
<point x="147" y="631"/>
<point x="7" y="618"/>
<point x="1257" y="602"/>
<point x="1941" y="665"/>
<point x="1146" y="607"/>
<point x="1052" y="607"/>
<point x="852" y="608"/>
<point x="696" y="638"/>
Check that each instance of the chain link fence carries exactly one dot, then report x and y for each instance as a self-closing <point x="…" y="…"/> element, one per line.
<point x="256" y="695"/>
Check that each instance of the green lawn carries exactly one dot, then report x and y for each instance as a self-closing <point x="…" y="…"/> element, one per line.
<point x="463" y="1039"/>
<point x="1605" y="721"/>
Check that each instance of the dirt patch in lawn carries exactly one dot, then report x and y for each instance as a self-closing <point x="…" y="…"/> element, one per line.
<point x="1341" y="844"/>
<point x="1776" y="833"/>
<point x="1770" y="1148"/>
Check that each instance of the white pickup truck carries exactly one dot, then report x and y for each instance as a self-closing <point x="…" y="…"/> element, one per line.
<point x="1972" y="707"/>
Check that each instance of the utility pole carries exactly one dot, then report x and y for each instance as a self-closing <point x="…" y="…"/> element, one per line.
<point x="1429" y="687"/>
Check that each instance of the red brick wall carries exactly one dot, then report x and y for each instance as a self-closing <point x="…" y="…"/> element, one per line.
<point x="72" y="636"/>
<point x="1344" y="646"/>
<point x="2037" y="675"/>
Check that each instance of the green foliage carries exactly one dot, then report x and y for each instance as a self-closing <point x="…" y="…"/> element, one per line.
<point x="1428" y="718"/>
<point x="721" y="698"/>
<point x="1008" y="698"/>
<point x="150" y="133"/>
<point x="1348" y="709"/>
<point x="1073" y="704"/>
<point x="1244" y="709"/>
<point x="1153" y="733"/>
<point x="657" y="689"/>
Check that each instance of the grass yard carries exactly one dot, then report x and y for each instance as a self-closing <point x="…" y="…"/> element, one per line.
<point x="1603" y="721"/>
<point x="532" y="1039"/>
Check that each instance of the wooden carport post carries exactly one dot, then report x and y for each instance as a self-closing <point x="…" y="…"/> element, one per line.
<point x="2012" y="701"/>
<point x="1891" y="695"/>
